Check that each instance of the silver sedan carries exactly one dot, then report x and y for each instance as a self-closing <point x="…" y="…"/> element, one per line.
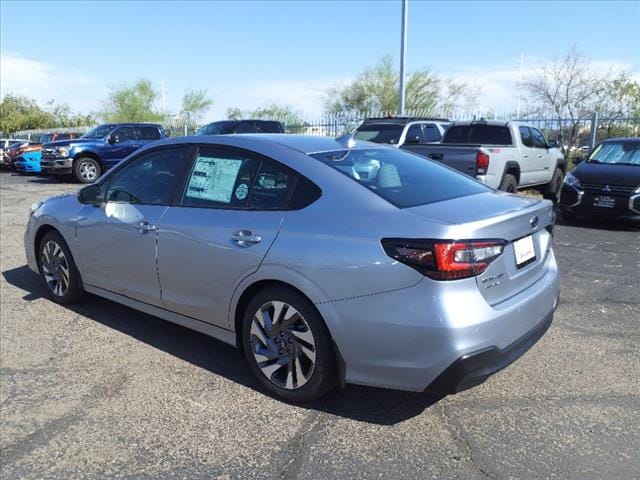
<point x="326" y="261"/>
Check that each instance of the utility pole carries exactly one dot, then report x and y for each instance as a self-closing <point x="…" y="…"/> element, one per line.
<point x="520" y="86"/>
<point x="403" y="53"/>
<point x="164" y="101"/>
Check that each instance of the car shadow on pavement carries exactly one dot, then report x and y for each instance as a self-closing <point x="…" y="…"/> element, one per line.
<point x="367" y="404"/>
<point x="612" y="224"/>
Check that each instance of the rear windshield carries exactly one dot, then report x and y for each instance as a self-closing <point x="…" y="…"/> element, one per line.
<point x="478" y="134"/>
<point x="379" y="133"/>
<point x="401" y="178"/>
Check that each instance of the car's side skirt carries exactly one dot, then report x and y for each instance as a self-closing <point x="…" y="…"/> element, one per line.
<point x="218" y="333"/>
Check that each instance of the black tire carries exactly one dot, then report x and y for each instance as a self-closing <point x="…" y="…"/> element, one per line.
<point x="554" y="187"/>
<point x="70" y="290"/>
<point x="323" y="374"/>
<point x="509" y="184"/>
<point x="86" y="170"/>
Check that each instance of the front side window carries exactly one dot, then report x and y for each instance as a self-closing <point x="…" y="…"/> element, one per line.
<point x="538" y="139"/>
<point x="414" y="134"/>
<point x="245" y="127"/>
<point x="149" y="179"/>
<point x="125" y="134"/>
<point x="379" y="133"/>
<point x="401" y="178"/>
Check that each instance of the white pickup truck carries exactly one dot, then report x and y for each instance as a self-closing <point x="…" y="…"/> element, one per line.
<point x="503" y="155"/>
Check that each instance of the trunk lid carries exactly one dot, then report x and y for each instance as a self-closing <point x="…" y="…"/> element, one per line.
<point x="503" y="216"/>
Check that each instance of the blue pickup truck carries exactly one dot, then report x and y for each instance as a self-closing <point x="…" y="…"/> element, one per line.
<point x="87" y="157"/>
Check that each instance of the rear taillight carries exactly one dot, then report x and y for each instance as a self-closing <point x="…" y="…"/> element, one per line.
<point x="482" y="163"/>
<point x="445" y="260"/>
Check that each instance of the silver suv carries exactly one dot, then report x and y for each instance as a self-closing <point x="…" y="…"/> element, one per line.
<point x="326" y="262"/>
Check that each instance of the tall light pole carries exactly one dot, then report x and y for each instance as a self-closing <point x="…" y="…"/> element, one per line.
<point x="403" y="53"/>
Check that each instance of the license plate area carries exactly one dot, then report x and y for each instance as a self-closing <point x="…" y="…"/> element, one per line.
<point x="604" y="201"/>
<point x="524" y="251"/>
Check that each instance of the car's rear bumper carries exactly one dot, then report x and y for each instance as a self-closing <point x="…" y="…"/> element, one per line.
<point x="407" y="339"/>
<point x="474" y="368"/>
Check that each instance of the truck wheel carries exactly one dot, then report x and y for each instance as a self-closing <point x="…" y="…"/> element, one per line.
<point x="509" y="184"/>
<point x="554" y="187"/>
<point x="86" y="170"/>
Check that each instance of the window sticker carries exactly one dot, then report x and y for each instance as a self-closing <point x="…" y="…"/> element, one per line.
<point x="213" y="179"/>
<point x="242" y="191"/>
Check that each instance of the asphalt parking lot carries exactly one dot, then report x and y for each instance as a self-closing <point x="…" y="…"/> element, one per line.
<point x="100" y="390"/>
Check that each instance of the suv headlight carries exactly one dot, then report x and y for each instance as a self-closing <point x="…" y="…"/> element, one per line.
<point x="571" y="180"/>
<point x="63" y="152"/>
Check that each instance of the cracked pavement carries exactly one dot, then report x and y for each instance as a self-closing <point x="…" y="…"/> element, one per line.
<point x="99" y="390"/>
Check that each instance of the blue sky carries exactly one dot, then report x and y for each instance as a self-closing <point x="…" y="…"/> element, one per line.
<point x="247" y="54"/>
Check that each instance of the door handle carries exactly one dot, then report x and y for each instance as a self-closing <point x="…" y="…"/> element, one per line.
<point x="524" y="155"/>
<point x="244" y="238"/>
<point x="539" y="156"/>
<point x="136" y="146"/>
<point x="145" y="227"/>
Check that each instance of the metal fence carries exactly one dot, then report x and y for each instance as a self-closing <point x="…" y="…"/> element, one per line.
<point x="336" y="125"/>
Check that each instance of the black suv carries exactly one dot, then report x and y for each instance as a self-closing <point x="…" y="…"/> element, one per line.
<point x="241" y="126"/>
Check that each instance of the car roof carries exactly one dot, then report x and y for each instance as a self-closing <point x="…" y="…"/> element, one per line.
<point x="403" y="120"/>
<point x="302" y="143"/>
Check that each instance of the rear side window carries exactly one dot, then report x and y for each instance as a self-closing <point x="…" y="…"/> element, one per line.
<point x="478" y="134"/>
<point x="222" y="178"/>
<point x="401" y="178"/>
<point x="269" y="127"/>
<point x="149" y="133"/>
<point x="245" y="127"/>
<point x="525" y="136"/>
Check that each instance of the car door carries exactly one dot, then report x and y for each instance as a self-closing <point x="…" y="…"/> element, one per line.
<point x="117" y="239"/>
<point x="232" y="206"/>
<point x="126" y="142"/>
<point x="544" y="158"/>
<point x="529" y="161"/>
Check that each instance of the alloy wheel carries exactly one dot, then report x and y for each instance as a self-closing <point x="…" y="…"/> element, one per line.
<point x="88" y="171"/>
<point x="283" y="345"/>
<point x="55" y="268"/>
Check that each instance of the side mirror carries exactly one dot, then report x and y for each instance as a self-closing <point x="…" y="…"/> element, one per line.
<point x="412" y="139"/>
<point x="113" y="138"/>
<point x="552" y="144"/>
<point x="89" y="195"/>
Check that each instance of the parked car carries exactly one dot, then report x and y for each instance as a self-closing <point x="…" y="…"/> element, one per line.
<point x="503" y="155"/>
<point x="408" y="277"/>
<point x="87" y="157"/>
<point x="241" y="126"/>
<point x="17" y="149"/>
<point x="402" y="131"/>
<point x="607" y="184"/>
<point x="28" y="160"/>
<point x="5" y="145"/>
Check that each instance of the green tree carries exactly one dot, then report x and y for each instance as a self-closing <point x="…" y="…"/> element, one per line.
<point x="375" y="91"/>
<point x="18" y="112"/>
<point x="194" y="104"/>
<point x="234" y="113"/>
<point x="132" y="103"/>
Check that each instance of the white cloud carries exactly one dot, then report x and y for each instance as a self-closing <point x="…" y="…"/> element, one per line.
<point x="44" y="82"/>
